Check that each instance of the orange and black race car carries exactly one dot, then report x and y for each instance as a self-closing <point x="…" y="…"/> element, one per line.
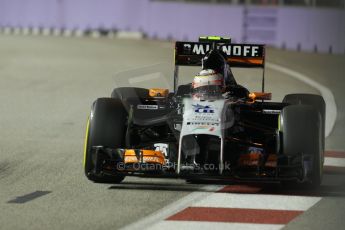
<point x="219" y="130"/>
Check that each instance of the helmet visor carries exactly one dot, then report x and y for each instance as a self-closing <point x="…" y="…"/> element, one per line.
<point x="208" y="92"/>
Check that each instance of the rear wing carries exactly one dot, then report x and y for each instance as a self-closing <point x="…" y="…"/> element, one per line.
<point x="237" y="55"/>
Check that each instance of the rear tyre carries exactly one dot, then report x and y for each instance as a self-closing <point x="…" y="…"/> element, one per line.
<point x="301" y="128"/>
<point x="106" y="127"/>
<point x="316" y="101"/>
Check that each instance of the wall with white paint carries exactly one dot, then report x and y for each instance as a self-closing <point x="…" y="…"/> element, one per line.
<point x="299" y="28"/>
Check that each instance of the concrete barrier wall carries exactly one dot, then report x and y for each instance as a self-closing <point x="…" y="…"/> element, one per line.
<point x="309" y="29"/>
<point x="189" y="21"/>
<point x="321" y="30"/>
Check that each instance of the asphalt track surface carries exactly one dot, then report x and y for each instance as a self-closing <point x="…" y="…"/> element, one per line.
<point x="47" y="85"/>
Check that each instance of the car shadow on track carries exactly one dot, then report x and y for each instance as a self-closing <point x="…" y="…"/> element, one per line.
<point x="160" y="186"/>
<point x="333" y="186"/>
<point x="278" y="189"/>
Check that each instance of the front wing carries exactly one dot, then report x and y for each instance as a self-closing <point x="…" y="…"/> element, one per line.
<point x="150" y="163"/>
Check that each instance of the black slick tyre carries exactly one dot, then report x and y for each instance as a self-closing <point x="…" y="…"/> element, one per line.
<point x="316" y="101"/>
<point x="106" y="127"/>
<point x="301" y="127"/>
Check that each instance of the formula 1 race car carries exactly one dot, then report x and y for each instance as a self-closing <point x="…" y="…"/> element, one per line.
<point x="210" y="128"/>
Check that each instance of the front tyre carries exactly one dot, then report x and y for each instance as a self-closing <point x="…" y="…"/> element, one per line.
<point x="105" y="127"/>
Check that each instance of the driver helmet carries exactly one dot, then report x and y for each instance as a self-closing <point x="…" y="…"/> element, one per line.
<point x="208" y="84"/>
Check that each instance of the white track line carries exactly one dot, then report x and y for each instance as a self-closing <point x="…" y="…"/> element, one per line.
<point x="261" y="201"/>
<point x="167" y="225"/>
<point x="173" y="208"/>
<point x="336" y="162"/>
<point x="222" y="200"/>
<point x="331" y="107"/>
